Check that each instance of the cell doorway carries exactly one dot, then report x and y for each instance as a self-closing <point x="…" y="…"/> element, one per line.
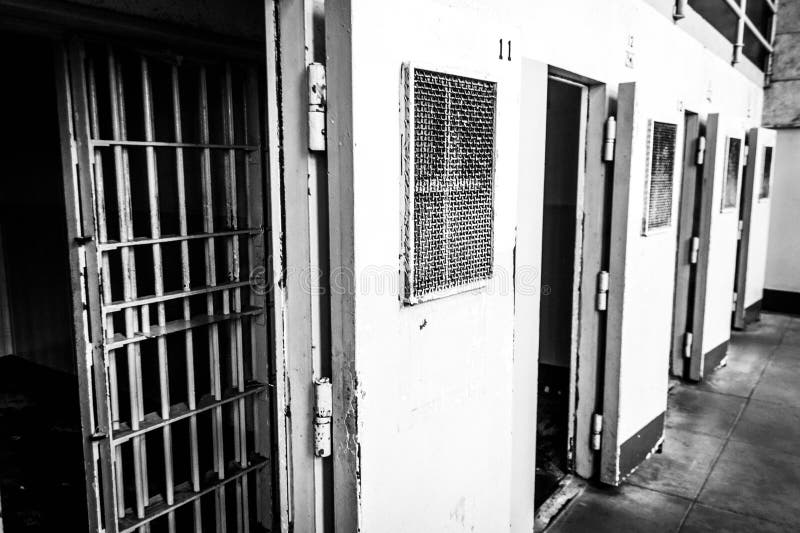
<point x="562" y="236"/>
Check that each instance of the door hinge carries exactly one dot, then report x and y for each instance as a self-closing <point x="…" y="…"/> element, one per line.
<point x="694" y="251"/>
<point x="746" y="152"/>
<point x="73" y="152"/>
<point x="688" y="339"/>
<point x="610" y="139"/>
<point x="740" y="229"/>
<point x="701" y="150"/>
<point x="601" y="300"/>
<point x="597" y="431"/>
<point x="323" y="411"/>
<point x="735" y="299"/>
<point x="317" y="101"/>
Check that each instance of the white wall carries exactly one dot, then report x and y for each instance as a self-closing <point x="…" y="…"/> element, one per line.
<point x="435" y="378"/>
<point x="437" y="421"/>
<point x="783" y="250"/>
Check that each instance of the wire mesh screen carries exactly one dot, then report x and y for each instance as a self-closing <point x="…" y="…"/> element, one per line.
<point x="662" y="175"/>
<point x="731" y="173"/>
<point x="767" y="174"/>
<point x="452" y="184"/>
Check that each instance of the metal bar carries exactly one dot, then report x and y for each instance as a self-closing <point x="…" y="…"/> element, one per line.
<point x="163" y="144"/>
<point x="771" y="56"/>
<point x="232" y="300"/>
<point x="174" y="326"/>
<point x="187" y="314"/>
<point x="77" y="264"/>
<point x="186" y="496"/>
<point x="158" y="277"/>
<point x="170" y="295"/>
<point x="211" y="281"/>
<point x="128" y="276"/>
<point x="102" y="229"/>
<point x="258" y="328"/>
<point x="107" y="246"/>
<point x="758" y="35"/>
<point x="182" y="411"/>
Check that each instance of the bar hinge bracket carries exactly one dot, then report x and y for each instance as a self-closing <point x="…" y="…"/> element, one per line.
<point x="317" y="102"/>
<point x="323" y="412"/>
<point x="601" y="300"/>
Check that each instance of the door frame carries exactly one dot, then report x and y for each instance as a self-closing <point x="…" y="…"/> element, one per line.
<point x="688" y="210"/>
<point x="587" y="350"/>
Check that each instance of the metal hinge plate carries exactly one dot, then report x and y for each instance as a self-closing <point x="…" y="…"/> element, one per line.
<point x="740" y="230"/>
<point x="694" y="252"/>
<point x="688" y="340"/>
<point x="601" y="300"/>
<point x="597" y="431"/>
<point x="610" y="134"/>
<point x="317" y="101"/>
<point x="701" y="150"/>
<point x="735" y="299"/>
<point x="323" y="411"/>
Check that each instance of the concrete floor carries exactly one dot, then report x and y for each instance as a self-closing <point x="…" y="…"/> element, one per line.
<point x="731" y="460"/>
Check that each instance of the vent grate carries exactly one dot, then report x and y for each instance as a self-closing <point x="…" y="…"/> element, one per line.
<point x="767" y="174"/>
<point x="731" y="188"/>
<point x="452" y="185"/>
<point x="661" y="175"/>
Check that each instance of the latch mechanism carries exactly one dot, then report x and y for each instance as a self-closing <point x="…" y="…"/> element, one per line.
<point x="601" y="300"/>
<point x="610" y="139"/>
<point x="323" y="411"/>
<point x="597" y="431"/>
<point x="317" y="99"/>
<point x="694" y="252"/>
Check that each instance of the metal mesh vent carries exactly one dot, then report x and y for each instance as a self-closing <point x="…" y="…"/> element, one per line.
<point x="661" y="175"/>
<point x="450" y="204"/>
<point x="730" y="191"/>
<point x="767" y="174"/>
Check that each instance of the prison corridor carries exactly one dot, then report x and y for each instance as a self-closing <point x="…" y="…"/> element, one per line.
<point x="730" y="459"/>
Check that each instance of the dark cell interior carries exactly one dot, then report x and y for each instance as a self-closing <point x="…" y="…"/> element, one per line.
<point x="564" y="105"/>
<point x="41" y="457"/>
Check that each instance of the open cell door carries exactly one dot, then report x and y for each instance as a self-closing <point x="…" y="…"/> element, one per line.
<point x="754" y="217"/>
<point x="718" y="235"/>
<point x="647" y="173"/>
<point x="164" y="193"/>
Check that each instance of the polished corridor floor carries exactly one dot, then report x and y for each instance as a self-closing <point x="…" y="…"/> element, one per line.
<point x="731" y="457"/>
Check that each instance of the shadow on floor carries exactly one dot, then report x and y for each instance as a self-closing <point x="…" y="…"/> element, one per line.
<point x="731" y="460"/>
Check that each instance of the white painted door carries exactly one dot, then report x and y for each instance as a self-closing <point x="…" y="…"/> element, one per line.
<point x="719" y="230"/>
<point x="647" y="173"/>
<point x="751" y="260"/>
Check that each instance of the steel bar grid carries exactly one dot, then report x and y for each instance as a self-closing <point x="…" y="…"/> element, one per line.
<point x="130" y="95"/>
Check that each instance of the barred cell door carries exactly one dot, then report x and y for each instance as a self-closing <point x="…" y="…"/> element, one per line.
<point x="167" y="204"/>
